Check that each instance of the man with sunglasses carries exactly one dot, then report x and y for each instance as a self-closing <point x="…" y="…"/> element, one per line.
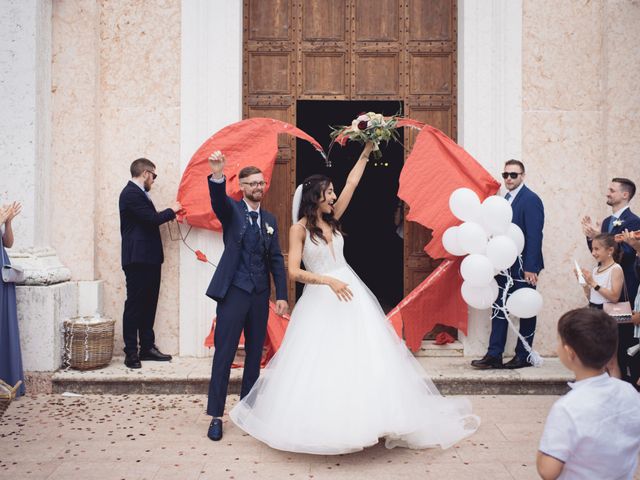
<point x="528" y="214"/>
<point x="241" y="283"/>
<point x="142" y="258"/>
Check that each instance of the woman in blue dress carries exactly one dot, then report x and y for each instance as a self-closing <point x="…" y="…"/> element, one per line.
<point x="10" y="355"/>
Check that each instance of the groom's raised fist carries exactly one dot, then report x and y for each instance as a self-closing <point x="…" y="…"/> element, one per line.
<point x="216" y="162"/>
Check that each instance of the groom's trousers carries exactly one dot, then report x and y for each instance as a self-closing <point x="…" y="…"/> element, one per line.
<point x="238" y="311"/>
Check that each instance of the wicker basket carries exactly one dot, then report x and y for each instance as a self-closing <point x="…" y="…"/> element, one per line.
<point x="7" y="394"/>
<point x="88" y="342"/>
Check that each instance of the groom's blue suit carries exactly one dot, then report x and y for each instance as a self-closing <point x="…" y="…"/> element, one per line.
<point x="241" y="287"/>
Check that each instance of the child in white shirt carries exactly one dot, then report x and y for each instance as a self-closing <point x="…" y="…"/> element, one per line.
<point x="593" y="432"/>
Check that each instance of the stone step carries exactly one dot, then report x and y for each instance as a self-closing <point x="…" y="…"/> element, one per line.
<point x="188" y="375"/>
<point x="428" y="348"/>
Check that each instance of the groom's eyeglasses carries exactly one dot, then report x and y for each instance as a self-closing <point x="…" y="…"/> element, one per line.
<point x="154" y="175"/>
<point x="513" y="175"/>
<point x="255" y="184"/>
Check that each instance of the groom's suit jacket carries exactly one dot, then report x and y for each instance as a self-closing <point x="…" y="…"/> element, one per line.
<point x="235" y="220"/>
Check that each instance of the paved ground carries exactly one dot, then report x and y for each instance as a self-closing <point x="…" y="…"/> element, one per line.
<point x="158" y="437"/>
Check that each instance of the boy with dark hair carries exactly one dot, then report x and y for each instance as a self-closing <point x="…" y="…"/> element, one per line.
<point x="594" y="430"/>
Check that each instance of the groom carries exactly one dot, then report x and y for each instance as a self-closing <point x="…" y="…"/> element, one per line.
<point x="240" y="284"/>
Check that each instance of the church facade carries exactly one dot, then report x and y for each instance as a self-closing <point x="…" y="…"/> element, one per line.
<point x="89" y="86"/>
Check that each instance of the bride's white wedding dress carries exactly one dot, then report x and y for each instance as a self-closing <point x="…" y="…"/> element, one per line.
<point x="342" y="378"/>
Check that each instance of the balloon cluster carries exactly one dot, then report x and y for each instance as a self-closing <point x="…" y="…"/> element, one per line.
<point x="492" y="244"/>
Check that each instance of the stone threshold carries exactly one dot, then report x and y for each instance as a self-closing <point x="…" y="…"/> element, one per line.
<point x="189" y="375"/>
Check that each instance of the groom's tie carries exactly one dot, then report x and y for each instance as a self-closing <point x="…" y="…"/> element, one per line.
<point x="612" y="220"/>
<point x="254" y="222"/>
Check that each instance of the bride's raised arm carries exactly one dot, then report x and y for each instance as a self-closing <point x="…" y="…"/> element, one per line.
<point x="297" y="236"/>
<point x="352" y="182"/>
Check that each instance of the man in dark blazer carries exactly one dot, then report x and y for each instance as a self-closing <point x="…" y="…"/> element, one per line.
<point x="142" y="258"/>
<point x="619" y="194"/>
<point x="241" y="284"/>
<point x="528" y="214"/>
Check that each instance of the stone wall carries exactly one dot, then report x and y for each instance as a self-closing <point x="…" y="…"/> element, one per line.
<point x="116" y="97"/>
<point x="581" y="127"/>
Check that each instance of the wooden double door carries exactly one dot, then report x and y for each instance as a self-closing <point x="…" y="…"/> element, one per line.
<point x="350" y="50"/>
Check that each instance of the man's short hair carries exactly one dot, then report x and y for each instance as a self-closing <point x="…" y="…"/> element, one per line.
<point x="247" y="171"/>
<point x="139" y="166"/>
<point x="626" y="185"/>
<point x="515" y="162"/>
<point x="591" y="333"/>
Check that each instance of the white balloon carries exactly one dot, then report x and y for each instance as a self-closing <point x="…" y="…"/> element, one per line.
<point x="451" y="243"/>
<point x="496" y="215"/>
<point x="494" y="288"/>
<point x="525" y="303"/>
<point x="478" y="297"/>
<point x="472" y="237"/>
<point x="465" y="204"/>
<point x="502" y="251"/>
<point x="477" y="270"/>
<point x="515" y="233"/>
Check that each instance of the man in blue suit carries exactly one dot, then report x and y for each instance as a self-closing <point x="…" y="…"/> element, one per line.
<point x="241" y="283"/>
<point x="619" y="194"/>
<point x="142" y="258"/>
<point x="528" y="214"/>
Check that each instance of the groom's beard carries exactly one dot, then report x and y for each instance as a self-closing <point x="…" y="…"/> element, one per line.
<point x="255" y="196"/>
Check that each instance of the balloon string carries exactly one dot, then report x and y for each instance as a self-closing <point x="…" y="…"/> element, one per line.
<point x="534" y="357"/>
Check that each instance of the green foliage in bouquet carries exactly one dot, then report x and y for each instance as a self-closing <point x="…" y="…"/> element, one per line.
<point x="367" y="127"/>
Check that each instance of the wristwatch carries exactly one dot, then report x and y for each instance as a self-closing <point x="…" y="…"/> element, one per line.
<point x="597" y="287"/>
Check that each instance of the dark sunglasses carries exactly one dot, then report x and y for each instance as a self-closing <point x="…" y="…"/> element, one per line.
<point x="513" y="175"/>
<point x="155" y="175"/>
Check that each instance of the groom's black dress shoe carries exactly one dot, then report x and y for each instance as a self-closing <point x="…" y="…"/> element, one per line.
<point x="215" y="429"/>
<point x="517" y="362"/>
<point x="487" y="362"/>
<point x="131" y="360"/>
<point x="154" y="354"/>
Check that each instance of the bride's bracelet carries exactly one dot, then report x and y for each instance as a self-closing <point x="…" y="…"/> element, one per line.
<point x="365" y="158"/>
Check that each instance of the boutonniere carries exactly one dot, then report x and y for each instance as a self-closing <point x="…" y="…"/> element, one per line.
<point x="268" y="228"/>
<point x="617" y="222"/>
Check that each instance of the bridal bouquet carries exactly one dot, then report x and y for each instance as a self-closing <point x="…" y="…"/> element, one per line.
<point x="367" y="127"/>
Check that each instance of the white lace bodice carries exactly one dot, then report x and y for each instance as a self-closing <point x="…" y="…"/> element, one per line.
<point x="321" y="257"/>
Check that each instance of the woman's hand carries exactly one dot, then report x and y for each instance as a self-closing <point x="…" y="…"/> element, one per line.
<point x="635" y="318"/>
<point x="366" y="151"/>
<point x="5" y="210"/>
<point x="341" y="289"/>
<point x="14" y="210"/>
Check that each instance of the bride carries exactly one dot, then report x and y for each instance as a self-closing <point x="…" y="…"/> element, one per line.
<point x="342" y="378"/>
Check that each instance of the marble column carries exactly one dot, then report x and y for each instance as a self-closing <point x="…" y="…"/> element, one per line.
<point x="489" y="106"/>
<point x="47" y="297"/>
<point x="211" y="98"/>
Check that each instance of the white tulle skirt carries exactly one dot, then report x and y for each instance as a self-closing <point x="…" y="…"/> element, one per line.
<point x="342" y="379"/>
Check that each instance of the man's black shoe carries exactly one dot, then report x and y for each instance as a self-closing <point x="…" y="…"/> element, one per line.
<point x="517" y="362"/>
<point x="487" y="362"/>
<point x="131" y="360"/>
<point x="215" y="429"/>
<point x="154" y="354"/>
